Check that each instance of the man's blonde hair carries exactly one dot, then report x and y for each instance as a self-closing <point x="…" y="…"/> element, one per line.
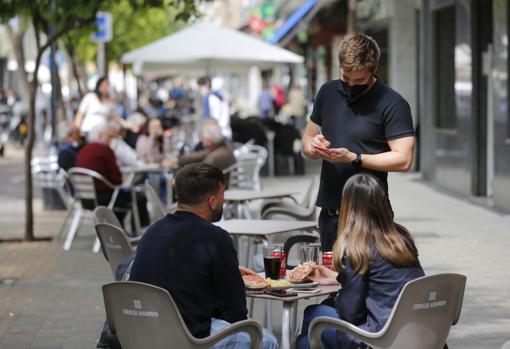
<point x="359" y="51"/>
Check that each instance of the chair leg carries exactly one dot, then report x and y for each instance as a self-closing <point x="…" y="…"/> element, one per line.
<point x="97" y="245"/>
<point x="268" y="315"/>
<point x="250" y="308"/>
<point x="64" y="224"/>
<point x="75" y="224"/>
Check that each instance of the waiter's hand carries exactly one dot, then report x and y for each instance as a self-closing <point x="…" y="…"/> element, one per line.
<point x="338" y="155"/>
<point x="320" y="146"/>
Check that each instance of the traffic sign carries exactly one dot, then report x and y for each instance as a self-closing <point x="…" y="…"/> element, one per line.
<point x="104" y="31"/>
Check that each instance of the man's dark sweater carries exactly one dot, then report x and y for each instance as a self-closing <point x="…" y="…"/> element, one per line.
<point x="197" y="263"/>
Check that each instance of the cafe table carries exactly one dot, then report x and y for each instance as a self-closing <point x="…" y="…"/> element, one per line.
<point x="132" y="174"/>
<point x="265" y="229"/>
<point x="290" y="308"/>
<point x="242" y="197"/>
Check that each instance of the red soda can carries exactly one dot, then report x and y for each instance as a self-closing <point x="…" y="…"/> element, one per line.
<point x="327" y="260"/>
<point x="283" y="265"/>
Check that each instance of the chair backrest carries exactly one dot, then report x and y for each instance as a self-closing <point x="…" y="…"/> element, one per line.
<point x="114" y="244"/>
<point x="311" y="193"/>
<point x="423" y="313"/>
<point x="156" y="208"/>
<point x="103" y="214"/>
<point x="47" y="174"/>
<point x="244" y="174"/>
<point x="296" y="240"/>
<point x="145" y="316"/>
<point x="83" y="181"/>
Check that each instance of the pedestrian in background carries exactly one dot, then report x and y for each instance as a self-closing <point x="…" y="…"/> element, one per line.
<point x="358" y="124"/>
<point x="97" y="107"/>
<point x="266" y="102"/>
<point x="373" y="258"/>
<point x="215" y="106"/>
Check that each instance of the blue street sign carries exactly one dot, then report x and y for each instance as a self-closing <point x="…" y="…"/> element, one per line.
<point x="104" y="31"/>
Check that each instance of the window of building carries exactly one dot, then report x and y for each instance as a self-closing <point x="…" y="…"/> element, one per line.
<point x="444" y="62"/>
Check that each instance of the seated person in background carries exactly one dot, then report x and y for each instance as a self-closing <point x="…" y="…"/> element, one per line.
<point x="99" y="157"/>
<point x="126" y="156"/>
<point x="149" y="146"/>
<point x="216" y="151"/>
<point x="195" y="260"/>
<point x="69" y="149"/>
<point x="373" y="258"/>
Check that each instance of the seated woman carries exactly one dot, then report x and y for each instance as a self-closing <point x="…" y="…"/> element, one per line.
<point x="373" y="258"/>
<point x="149" y="146"/>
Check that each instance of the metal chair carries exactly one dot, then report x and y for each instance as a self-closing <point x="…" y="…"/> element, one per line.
<point x="156" y="207"/>
<point x="47" y="174"/>
<point x="307" y="198"/>
<point x="146" y="316"/>
<point x="307" y="212"/>
<point x="245" y="173"/>
<point x="103" y="214"/>
<point x="421" y="318"/>
<point x="82" y="180"/>
<point x="296" y="240"/>
<point x="114" y="244"/>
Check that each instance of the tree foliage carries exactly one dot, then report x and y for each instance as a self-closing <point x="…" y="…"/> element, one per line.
<point x="66" y="16"/>
<point x="132" y="28"/>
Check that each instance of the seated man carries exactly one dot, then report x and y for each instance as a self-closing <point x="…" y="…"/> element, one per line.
<point x="99" y="157"/>
<point x="216" y="151"/>
<point x="195" y="260"/>
<point x="69" y="149"/>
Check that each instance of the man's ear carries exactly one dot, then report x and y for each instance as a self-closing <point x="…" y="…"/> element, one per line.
<point x="211" y="202"/>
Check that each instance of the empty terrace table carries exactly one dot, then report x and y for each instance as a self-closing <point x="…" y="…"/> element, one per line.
<point x="242" y="197"/>
<point x="132" y="176"/>
<point x="290" y="308"/>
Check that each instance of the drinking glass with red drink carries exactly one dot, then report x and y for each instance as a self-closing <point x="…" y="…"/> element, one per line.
<point x="272" y="261"/>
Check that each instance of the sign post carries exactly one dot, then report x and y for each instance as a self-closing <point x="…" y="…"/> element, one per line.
<point x="103" y="34"/>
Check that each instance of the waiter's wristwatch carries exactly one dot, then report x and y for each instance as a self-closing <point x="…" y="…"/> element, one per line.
<point x="356" y="163"/>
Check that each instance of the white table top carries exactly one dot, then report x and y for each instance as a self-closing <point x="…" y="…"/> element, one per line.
<point x="260" y="227"/>
<point x="246" y="195"/>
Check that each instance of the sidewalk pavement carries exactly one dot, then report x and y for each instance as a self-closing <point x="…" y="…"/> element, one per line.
<point x="56" y="300"/>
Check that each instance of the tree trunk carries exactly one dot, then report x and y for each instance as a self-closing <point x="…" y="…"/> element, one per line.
<point x="29" y="209"/>
<point x="16" y="39"/>
<point x="75" y="67"/>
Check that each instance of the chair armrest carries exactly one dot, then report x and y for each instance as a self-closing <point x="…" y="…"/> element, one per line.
<point x="266" y="204"/>
<point x="134" y="241"/>
<point x="296" y="211"/>
<point x="323" y="322"/>
<point x="249" y="326"/>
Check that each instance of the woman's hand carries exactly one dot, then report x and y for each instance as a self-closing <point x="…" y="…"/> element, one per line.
<point x="323" y="275"/>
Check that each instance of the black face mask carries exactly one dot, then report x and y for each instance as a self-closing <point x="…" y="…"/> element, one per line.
<point x="353" y="92"/>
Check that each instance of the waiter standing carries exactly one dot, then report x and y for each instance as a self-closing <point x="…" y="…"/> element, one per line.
<point x="358" y="124"/>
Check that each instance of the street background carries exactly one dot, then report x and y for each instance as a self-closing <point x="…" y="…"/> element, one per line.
<point x="56" y="301"/>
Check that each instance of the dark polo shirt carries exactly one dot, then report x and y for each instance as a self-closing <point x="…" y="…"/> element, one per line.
<point x="362" y="126"/>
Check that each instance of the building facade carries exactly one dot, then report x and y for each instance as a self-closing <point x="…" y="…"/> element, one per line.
<point x="464" y="128"/>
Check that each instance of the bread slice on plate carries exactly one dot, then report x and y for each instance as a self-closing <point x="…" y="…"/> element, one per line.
<point x="301" y="272"/>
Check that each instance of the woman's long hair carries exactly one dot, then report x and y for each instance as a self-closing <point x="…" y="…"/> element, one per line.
<point x="366" y="225"/>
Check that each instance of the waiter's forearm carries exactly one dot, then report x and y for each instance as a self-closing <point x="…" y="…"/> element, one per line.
<point x="311" y="131"/>
<point x="391" y="161"/>
<point x="306" y="147"/>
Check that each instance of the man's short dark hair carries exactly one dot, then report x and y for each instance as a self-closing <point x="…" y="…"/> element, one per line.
<point x="204" y="80"/>
<point x="194" y="183"/>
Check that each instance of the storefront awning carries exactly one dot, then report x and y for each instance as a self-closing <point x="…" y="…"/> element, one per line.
<point x="293" y="21"/>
